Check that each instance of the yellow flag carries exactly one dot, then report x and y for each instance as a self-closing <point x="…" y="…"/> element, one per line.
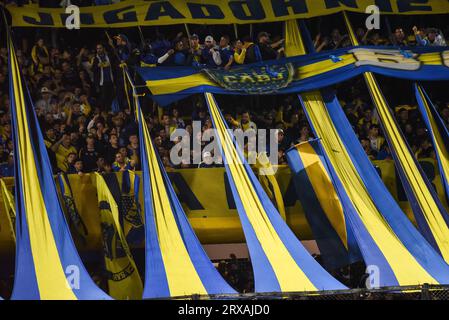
<point x="124" y="280"/>
<point x="267" y="179"/>
<point x="9" y="207"/>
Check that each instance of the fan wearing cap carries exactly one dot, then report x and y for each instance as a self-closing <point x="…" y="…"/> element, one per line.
<point x="210" y="54"/>
<point x="195" y="48"/>
<point x="208" y="160"/>
<point x="123" y="47"/>
<point x="46" y="101"/>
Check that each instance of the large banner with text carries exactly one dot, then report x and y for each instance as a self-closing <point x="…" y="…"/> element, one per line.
<point x="146" y="13"/>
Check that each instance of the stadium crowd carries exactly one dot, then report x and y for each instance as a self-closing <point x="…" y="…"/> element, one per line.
<point x="88" y="124"/>
<point x="83" y="106"/>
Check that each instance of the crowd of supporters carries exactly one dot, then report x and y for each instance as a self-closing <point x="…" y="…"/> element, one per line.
<point x="88" y="124"/>
<point x="83" y="106"/>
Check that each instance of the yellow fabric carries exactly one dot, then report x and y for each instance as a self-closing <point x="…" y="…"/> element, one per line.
<point x="324" y="189"/>
<point x="439" y="145"/>
<point x="406" y="269"/>
<point x="150" y="13"/>
<point x="125" y="283"/>
<point x="433" y="58"/>
<point x="50" y="276"/>
<point x="288" y="273"/>
<point x="352" y="36"/>
<point x="10" y="209"/>
<point x="214" y="222"/>
<point x="173" y="85"/>
<point x="178" y="84"/>
<point x="428" y="206"/>
<point x="317" y="68"/>
<point x="426" y="202"/>
<point x="182" y="277"/>
<point x="269" y="183"/>
<point x="294" y="45"/>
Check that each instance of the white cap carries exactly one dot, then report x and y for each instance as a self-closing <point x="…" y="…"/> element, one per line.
<point x="209" y="39"/>
<point x="207" y="154"/>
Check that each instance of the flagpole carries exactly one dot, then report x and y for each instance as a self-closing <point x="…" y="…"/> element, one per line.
<point x="236" y="31"/>
<point x="187" y="30"/>
<point x="142" y="38"/>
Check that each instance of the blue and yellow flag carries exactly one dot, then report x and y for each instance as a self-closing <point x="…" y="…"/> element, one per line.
<point x="47" y="263"/>
<point x="123" y="277"/>
<point x="270" y="185"/>
<point x="313" y="184"/>
<point x="280" y="262"/>
<point x="297" y="73"/>
<point x="321" y="205"/>
<point x="294" y="45"/>
<point x="76" y="223"/>
<point x="131" y="210"/>
<point x="400" y="254"/>
<point x="384" y="201"/>
<point x="438" y="131"/>
<point x="9" y="207"/>
<point x="429" y="212"/>
<point x="176" y="263"/>
<point x="125" y="187"/>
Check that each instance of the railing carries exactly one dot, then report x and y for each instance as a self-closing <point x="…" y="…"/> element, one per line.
<point x="422" y="292"/>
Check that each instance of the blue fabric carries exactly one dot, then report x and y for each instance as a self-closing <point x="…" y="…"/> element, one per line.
<point x="211" y="279"/>
<point x="332" y="249"/>
<point x="265" y="279"/>
<point x="444" y="132"/>
<point x="424" y="73"/>
<point x="306" y="37"/>
<point x="384" y="201"/>
<point x="372" y="255"/>
<point x="156" y="285"/>
<point x="25" y="283"/>
<point x="414" y="203"/>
